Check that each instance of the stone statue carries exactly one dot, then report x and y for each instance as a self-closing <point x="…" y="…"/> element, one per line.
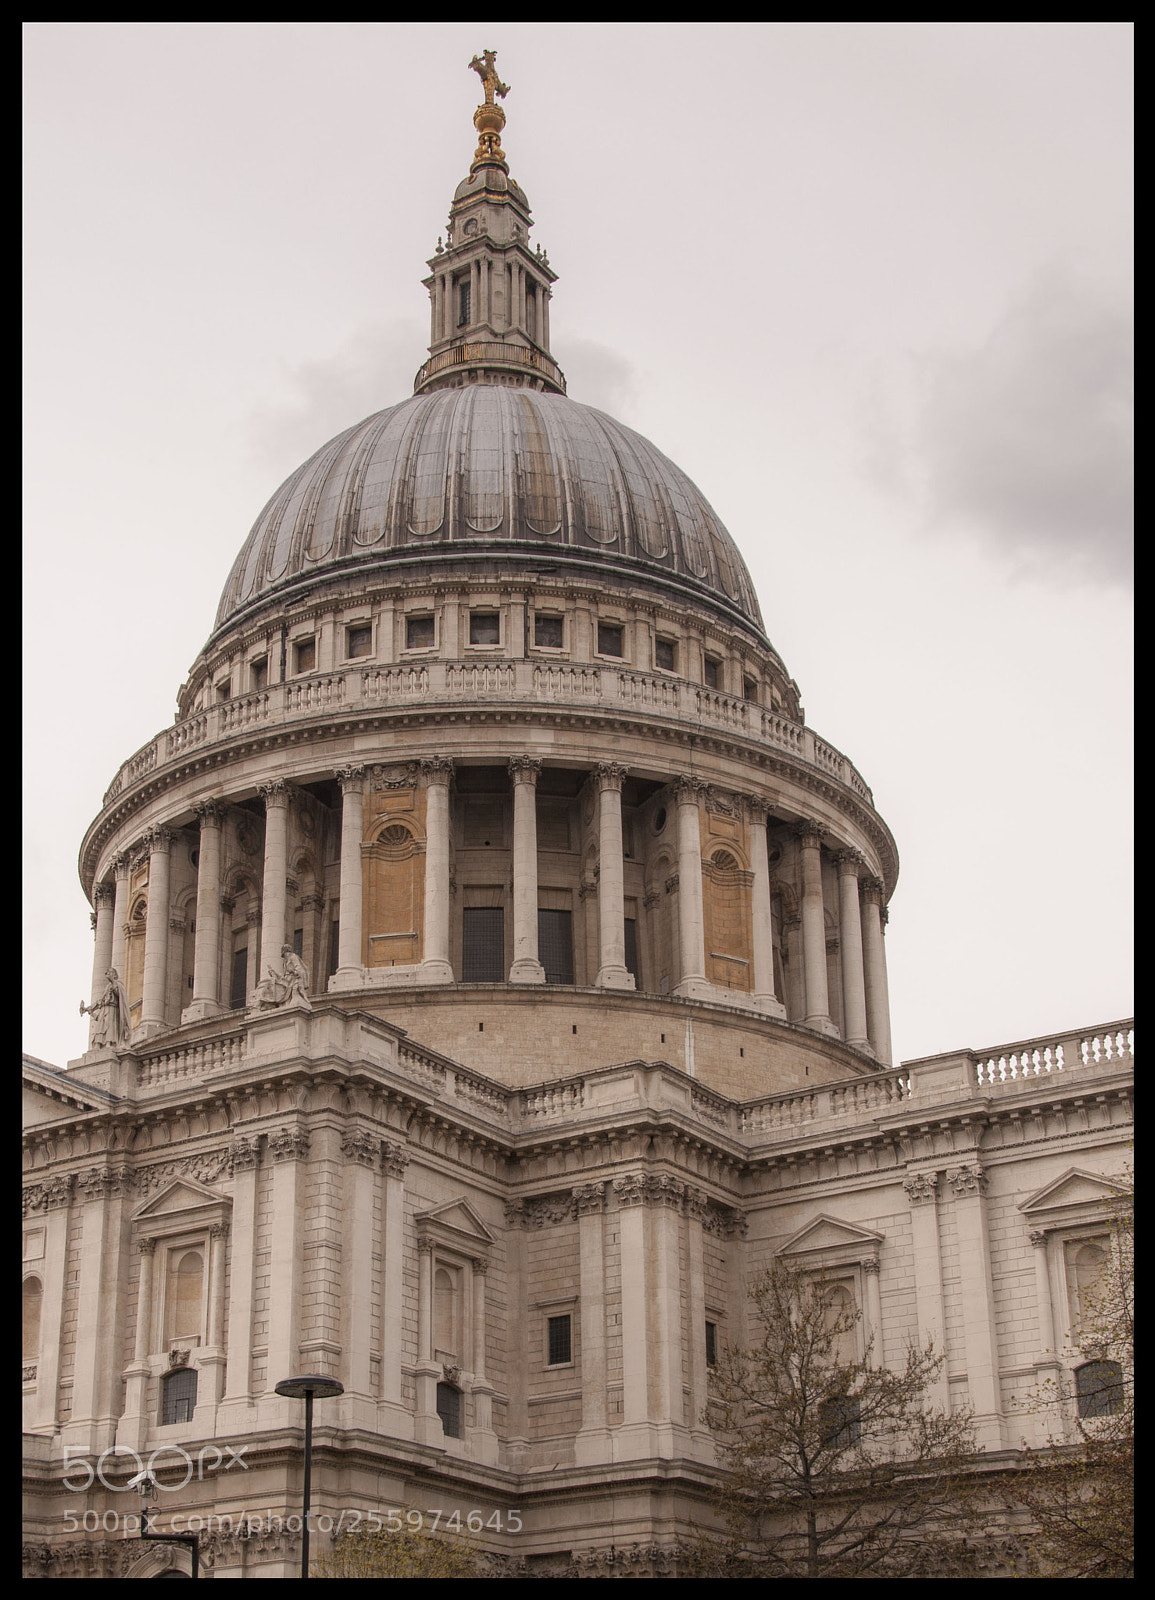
<point x="487" y="72"/>
<point x="111" y="1022"/>
<point x="289" y="987"/>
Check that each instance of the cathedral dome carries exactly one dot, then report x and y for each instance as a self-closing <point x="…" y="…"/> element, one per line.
<point x="483" y="467"/>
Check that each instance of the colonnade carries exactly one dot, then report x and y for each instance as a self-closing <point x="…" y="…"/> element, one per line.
<point x="865" y="1006"/>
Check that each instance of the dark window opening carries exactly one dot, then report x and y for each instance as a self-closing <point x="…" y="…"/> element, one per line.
<point x="238" y="994"/>
<point x="305" y="655"/>
<point x="632" y="950"/>
<point x="298" y="941"/>
<point x="664" y="654"/>
<point x="178" y="1396"/>
<point x="609" y="639"/>
<point x="1099" y="1389"/>
<point x="360" y="641"/>
<point x="840" y="1419"/>
<point x="418" y="633"/>
<point x="484" y="627"/>
<point x="711" y="672"/>
<point x="547" y="631"/>
<point x="531" y="311"/>
<point x="224" y="689"/>
<point x="749" y="689"/>
<point x="449" y="1410"/>
<point x="464" y="299"/>
<point x="560" y="1341"/>
<point x="711" y="1344"/>
<point x="555" y="945"/>
<point x="259" y="672"/>
<point x="483" y="944"/>
<point x="334" y="948"/>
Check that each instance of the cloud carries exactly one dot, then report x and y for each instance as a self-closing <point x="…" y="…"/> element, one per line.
<point x="1026" y="441"/>
<point x="597" y="376"/>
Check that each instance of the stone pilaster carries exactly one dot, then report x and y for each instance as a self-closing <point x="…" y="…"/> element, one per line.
<point x="288" y="1149"/>
<point x="360" y="1152"/>
<point x="921" y="1192"/>
<point x="968" y="1186"/>
<point x="246" y="1160"/>
<point x="483" y="1439"/>
<point x="350" y="973"/>
<point x="612" y="970"/>
<point x="526" y="967"/>
<point x="593" y="1441"/>
<point x="427" y="1427"/>
<point x="393" y="1417"/>
<point x="438" y="774"/>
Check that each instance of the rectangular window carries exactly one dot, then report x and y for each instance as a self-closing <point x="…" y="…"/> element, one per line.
<point x="238" y="994"/>
<point x="224" y="689"/>
<point x="711" y="1344"/>
<point x="555" y="945"/>
<point x="463" y="303"/>
<point x="484" y="627"/>
<point x="259" y="672"/>
<point x="419" y="633"/>
<point x="449" y="1410"/>
<point x="305" y="655"/>
<point x="483" y="944"/>
<point x="360" y="640"/>
<point x="664" y="656"/>
<point x="334" y="948"/>
<point x="560" y="1341"/>
<point x="711" y="672"/>
<point x="298" y="941"/>
<point x="547" y="631"/>
<point x="609" y="639"/>
<point x="632" y="950"/>
<point x="178" y="1396"/>
<point x="749" y="690"/>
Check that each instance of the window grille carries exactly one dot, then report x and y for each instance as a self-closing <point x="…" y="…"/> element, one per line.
<point x="609" y="639"/>
<point x="841" y="1421"/>
<point x="449" y="1410"/>
<point x="664" y="654"/>
<point x="711" y="672"/>
<point x="463" y="304"/>
<point x="484" y="627"/>
<point x="334" y="947"/>
<point x="178" y="1395"/>
<point x="632" y="950"/>
<point x="711" y="1344"/>
<point x="298" y="941"/>
<point x="1099" y="1388"/>
<point x="555" y="945"/>
<point x="240" y="989"/>
<point x="560" y="1341"/>
<point x="483" y="944"/>
<point x="547" y="631"/>
<point x="418" y="633"/>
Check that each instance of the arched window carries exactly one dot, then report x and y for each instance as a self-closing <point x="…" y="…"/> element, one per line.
<point x="33" y="1300"/>
<point x="446" y="1315"/>
<point x="1099" y="1388"/>
<point x="449" y="1410"/>
<point x="185" y="1293"/>
<point x="178" y="1395"/>
<point x="841" y="1421"/>
<point x="840" y="1310"/>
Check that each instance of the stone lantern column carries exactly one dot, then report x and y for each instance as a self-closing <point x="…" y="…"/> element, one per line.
<point x="526" y="967"/>
<point x="435" y="967"/>
<point x="762" y="941"/>
<point x="120" y="915"/>
<point x="207" y="946"/>
<point x="273" y="894"/>
<point x="103" y="898"/>
<point x="809" y="836"/>
<point x="612" y="970"/>
<point x="874" y="964"/>
<point x="156" y="932"/>
<point x="691" y="930"/>
<point x="850" y="931"/>
<point x="350" y="972"/>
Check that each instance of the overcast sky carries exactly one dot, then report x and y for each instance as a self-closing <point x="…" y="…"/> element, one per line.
<point x="869" y="285"/>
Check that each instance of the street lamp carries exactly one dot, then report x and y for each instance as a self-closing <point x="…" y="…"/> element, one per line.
<point x="308" y="1388"/>
<point x="146" y="1486"/>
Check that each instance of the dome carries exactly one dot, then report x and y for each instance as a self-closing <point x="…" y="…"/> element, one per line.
<point x="484" y="466"/>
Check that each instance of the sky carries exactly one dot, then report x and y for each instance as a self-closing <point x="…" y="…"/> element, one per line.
<point x="868" y="284"/>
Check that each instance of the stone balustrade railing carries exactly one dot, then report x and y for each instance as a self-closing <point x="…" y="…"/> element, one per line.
<point x="486" y="682"/>
<point x="1030" y="1059"/>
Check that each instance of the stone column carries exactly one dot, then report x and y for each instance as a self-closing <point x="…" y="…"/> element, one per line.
<point x="634" y="1437"/>
<point x="850" y="934"/>
<point x="427" y="1427"/>
<point x="213" y="1359"/>
<point x="593" y="1442"/>
<point x="289" y="1149"/>
<point x="874" y="966"/>
<point x="435" y="967"/>
<point x="57" y="1195"/>
<point x="526" y="967"/>
<point x="156" y="932"/>
<point x="968" y="1184"/>
<point x="95" y="1406"/>
<point x="612" y="970"/>
<point x="692" y="936"/>
<point x="104" y="899"/>
<point x="872" y="1311"/>
<point x="207" y="945"/>
<point x="668" y="1194"/>
<point x="1047" y="1346"/>
<point x="809" y="836"/>
<point x="273" y="895"/>
<point x="762" y="928"/>
<point x="350" y="973"/>
<point x="120" y="916"/>
<point x="921" y="1190"/>
<point x="246" y="1159"/>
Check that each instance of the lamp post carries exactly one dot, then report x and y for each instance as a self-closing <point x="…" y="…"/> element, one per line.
<point x="308" y="1388"/>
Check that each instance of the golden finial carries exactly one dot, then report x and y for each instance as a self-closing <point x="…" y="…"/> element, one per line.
<point x="489" y="119"/>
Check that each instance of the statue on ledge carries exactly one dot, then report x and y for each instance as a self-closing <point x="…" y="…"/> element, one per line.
<point x="289" y="987"/>
<point x="111" y="1021"/>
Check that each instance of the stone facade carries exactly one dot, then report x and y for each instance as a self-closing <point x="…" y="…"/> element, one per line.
<point x="589" y="1018"/>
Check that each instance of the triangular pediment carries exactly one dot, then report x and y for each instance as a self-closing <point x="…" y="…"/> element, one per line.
<point x="182" y="1194"/>
<point x="456" y="1217"/>
<point x="1074" y="1188"/>
<point x="829" y="1233"/>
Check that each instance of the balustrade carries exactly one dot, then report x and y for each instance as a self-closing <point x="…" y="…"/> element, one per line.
<point x="1030" y="1059"/>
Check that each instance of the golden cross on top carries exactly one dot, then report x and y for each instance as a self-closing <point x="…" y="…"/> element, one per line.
<point x="483" y="65"/>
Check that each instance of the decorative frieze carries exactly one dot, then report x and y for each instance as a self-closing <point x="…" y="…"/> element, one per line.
<point x="206" y="1166"/>
<point x="104" y="1183"/>
<point x="245" y="1154"/>
<point x="49" y="1194"/>
<point x="288" y="1144"/>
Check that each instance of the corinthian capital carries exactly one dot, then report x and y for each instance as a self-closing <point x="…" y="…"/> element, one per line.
<point x="808" y="834"/>
<point x="158" y="840"/>
<point x="351" y="779"/>
<point x="849" y="863"/>
<point x="103" y="894"/>
<point x="687" y="791"/>
<point x="610" y="774"/>
<point x="524" y="769"/>
<point x="274" y="793"/>
<point x="437" y="769"/>
<point x="210" y="813"/>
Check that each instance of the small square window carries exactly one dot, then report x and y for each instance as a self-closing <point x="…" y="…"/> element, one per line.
<point x="305" y="655"/>
<point x="259" y="672"/>
<point x="484" y="627"/>
<point x="178" y="1393"/>
<point x="609" y="639"/>
<point x="749" y="689"/>
<point x="664" y="657"/>
<point x="560" y="1341"/>
<point x="711" y="1344"/>
<point x="547" y="631"/>
<point x="360" y="640"/>
<point x="419" y="633"/>
<point x="711" y="672"/>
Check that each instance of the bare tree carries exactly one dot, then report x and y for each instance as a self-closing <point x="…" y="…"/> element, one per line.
<point x="838" y="1468"/>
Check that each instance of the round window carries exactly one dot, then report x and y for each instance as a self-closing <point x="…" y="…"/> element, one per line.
<point x="659" y="819"/>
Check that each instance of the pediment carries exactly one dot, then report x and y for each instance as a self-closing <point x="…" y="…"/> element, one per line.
<point x="456" y="1220"/>
<point x="824" y="1234"/>
<point x="1072" y="1189"/>
<point x="176" y="1198"/>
